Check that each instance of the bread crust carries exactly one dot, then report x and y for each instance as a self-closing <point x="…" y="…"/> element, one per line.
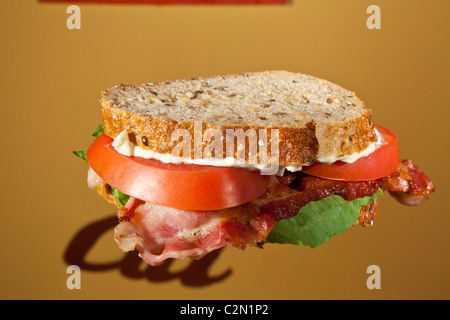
<point x="104" y="190"/>
<point x="300" y="145"/>
<point x="296" y="145"/>
<point x="346" y="138"/>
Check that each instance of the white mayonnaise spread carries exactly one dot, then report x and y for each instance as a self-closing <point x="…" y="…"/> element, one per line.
<point x="126" y="147"/>
<point x="355" y="156"/>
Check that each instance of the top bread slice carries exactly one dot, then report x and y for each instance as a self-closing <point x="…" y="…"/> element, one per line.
<point x="314" y="117"/>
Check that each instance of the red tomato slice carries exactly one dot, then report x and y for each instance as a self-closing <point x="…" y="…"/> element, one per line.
<point x="180" y="186"/>
<point x="380" y="163"/>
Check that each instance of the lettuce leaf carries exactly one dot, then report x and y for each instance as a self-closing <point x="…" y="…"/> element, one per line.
<point x="121" y="197"/>
<point x="318" y="221"/>
<point x="82" y="153"/>
<point x="98" y="132"/>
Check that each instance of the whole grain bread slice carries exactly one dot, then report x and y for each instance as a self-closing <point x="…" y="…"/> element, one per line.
<point x="314" y="117"/>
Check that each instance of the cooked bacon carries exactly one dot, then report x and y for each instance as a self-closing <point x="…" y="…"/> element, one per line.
<point x="284" y="204"/>
<point x="349" y="190"/>
<point x="408" y="184"/>
<point x="159" y="233"/>
<point x="93" y="179"/>
<point x="368" y="214"/>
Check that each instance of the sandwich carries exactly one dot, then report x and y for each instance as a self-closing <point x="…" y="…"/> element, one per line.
<point x="251" y="159"/>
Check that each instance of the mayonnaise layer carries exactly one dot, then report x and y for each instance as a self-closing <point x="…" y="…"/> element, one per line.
<point x="355" y="156"/>
<point x="125" y="146"/>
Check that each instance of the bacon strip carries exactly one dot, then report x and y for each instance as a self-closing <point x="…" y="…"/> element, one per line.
<point x="308" y="189"/>
<point x="368" y="214"/>
<point x="160" y="233"/>
<point x="408" y="185"/>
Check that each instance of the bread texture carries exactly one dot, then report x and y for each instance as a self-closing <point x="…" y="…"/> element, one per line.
<point x="104" y="190"/>
<point x="314" y="117"/>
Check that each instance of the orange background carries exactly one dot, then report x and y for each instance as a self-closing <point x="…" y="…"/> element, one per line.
<point x="50" y="83"/>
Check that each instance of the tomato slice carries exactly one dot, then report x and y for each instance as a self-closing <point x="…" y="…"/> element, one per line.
<point x="380" y="163"/>
<point x="180" y="186"/>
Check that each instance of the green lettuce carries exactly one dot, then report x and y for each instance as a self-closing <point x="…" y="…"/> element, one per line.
<point x="98" y="132"/>
<point x="121" y="197"/>
<point x="82" y="153"/>
<point x="318" y="221"/>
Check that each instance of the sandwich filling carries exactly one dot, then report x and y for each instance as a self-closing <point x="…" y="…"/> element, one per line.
<point x="160" y="232"/>
<point x="296" y="208"/>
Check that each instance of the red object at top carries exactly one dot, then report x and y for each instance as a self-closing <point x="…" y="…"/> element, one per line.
<point x="177" y="1"/>
<point x="379" y="164"/>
